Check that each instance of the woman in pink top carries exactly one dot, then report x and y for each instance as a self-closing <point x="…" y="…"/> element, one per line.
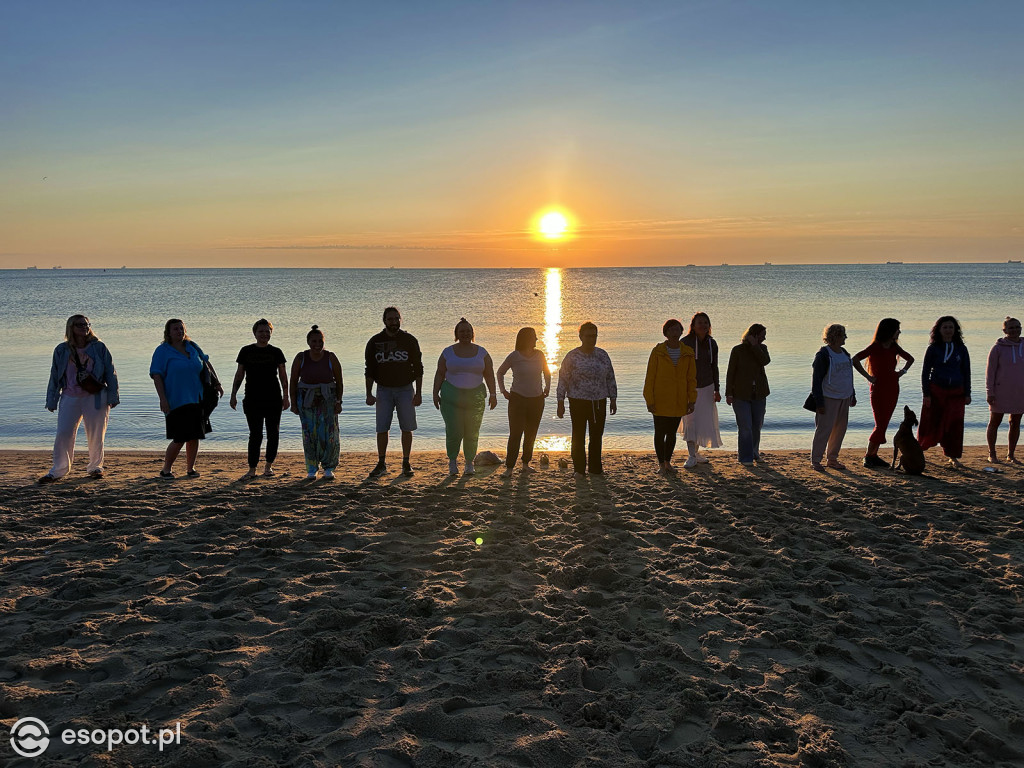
<point x="1004" y="386"/>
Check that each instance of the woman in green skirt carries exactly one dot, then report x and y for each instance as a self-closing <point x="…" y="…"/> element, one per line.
<point x="459" y="393"/>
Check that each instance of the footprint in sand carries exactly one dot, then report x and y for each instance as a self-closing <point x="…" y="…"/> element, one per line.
<point x="624" y="664"/>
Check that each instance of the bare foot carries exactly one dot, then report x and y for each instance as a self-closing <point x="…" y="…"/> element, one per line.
<point x="993" y="459"/>
<point x="955" y="463"/>
<point x="249" y="475"/>
<point x="1013" y="459"/>
<point x="528" y="470"/>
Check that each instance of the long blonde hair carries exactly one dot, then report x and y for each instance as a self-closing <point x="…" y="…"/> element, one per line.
<point x="69" y="334"/>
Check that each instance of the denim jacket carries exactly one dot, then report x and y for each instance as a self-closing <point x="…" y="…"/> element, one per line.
<point x="102" y="369"/>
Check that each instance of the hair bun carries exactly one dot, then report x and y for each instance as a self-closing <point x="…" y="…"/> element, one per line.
<point x="315" y="328"/>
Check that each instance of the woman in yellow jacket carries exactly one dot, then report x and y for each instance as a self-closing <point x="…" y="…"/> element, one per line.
<point x="670" y="390"/>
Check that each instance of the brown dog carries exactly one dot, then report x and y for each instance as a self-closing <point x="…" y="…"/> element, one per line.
<point x="907" y="451"/>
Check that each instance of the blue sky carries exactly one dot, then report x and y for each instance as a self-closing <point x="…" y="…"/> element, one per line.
<point x="267" y="132"/>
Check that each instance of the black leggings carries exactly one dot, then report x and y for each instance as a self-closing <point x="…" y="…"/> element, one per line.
<point x="256" y="415"/>
<point x="587" y="414"/>
<point x="665" y="436"/>
<point x="524" y="414"/>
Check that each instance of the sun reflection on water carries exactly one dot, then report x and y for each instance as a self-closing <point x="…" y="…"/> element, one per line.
<point x="552" y="316"/>
<point x="553" y="443"/>
<point x="552" y="329"/>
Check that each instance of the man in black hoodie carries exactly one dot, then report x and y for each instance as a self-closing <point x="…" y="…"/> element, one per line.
<point x="394" y="362"/>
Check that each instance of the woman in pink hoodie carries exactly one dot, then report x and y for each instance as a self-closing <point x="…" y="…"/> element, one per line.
<point x="1004" y="383"/>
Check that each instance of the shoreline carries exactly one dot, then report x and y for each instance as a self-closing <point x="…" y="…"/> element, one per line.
<point x="290" y="463"/>
<point x="773" y="616"/>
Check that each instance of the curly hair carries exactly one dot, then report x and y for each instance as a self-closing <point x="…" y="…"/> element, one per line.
<point x="936" y="336"/>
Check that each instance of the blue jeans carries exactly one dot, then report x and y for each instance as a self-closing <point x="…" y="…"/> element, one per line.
<point x="749" y="420"/>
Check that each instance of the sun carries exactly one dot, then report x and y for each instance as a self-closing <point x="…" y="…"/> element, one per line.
<point x="553" y="225"/>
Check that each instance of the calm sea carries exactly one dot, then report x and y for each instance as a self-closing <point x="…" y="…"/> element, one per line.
<point x="129" y="307"/>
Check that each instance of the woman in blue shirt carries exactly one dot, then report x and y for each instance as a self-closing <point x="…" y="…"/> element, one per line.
<point x="176" y="368"/>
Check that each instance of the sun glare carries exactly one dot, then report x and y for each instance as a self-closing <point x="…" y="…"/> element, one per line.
<point x="553" y="225"/>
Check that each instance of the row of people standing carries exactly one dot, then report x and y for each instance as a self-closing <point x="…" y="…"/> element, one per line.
<point x="945" y="382"/>
<point x="681" y="390"/>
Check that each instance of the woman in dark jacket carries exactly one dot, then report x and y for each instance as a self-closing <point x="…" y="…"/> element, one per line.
<point x="946" y="380"/>
<point x="832" y="388"/>
<point x="746" y="390"/>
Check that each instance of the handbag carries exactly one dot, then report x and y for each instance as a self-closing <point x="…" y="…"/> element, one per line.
<point x="810" y="404"/>
<point x="211" y="399"/>
<point x="86" y="380"/>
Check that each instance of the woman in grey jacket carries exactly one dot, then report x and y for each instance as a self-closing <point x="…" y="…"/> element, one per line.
<point x="83" y="387"/>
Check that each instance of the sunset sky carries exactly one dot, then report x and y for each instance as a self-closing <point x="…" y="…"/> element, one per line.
<point x="287" y="133"/>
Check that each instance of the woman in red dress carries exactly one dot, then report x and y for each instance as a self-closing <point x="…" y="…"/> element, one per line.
<point x="882" y="354"/>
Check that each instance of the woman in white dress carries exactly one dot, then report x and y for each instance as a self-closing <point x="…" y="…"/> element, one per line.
<point x="700" y="428"/>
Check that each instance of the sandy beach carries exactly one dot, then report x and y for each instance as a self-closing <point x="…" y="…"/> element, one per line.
<point x="727" y="617"/>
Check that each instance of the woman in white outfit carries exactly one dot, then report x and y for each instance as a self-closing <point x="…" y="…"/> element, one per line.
<point x="82" y="387"/>
<point x="832" y="389"/>
<point x="700" y="428"/>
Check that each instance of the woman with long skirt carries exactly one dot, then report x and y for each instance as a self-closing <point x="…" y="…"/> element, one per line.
<point x="946" y="380"/>
<point x="700" y="428"/>
<point x="882" y="355"/>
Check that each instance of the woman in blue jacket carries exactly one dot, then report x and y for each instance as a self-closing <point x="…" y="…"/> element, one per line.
<point x="83" y="387"/>
<point x="946" y="380"/>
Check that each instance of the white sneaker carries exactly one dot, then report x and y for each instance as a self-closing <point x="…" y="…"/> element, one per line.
<point x="453" y="467"/>
<point x="702" y="459"/>
<point x="690" y="463"/>
<point x="328" y="474"/>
